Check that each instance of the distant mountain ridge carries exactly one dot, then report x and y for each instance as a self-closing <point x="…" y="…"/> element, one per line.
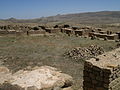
<point x="87" y="18"/>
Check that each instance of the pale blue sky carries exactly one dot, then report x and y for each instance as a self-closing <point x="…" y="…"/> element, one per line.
<point x="25" y="9"/>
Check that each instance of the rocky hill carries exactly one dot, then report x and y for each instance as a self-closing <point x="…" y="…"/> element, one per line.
<point x="104" y="17"/>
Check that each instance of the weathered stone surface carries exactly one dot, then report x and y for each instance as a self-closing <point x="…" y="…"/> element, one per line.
<point x="115" y="85"/>
<point x="41" y="78"/>
<point x="4" y="69"/>
<point x="4" y="74"/>
<point x="103" y="74"/>
<point x="108" y="60"/>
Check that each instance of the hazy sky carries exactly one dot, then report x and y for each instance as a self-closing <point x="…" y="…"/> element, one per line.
<point x="38" y="8"/>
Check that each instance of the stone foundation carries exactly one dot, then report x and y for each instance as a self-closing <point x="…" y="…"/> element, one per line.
<point x="52" y="30"/>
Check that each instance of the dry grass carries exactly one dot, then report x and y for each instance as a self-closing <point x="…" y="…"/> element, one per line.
<point x="19" y="52"/>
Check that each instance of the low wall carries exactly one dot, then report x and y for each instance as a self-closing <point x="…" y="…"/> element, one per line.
<point x="53" y="30"/>
<point x="112" y="37"/>
<point x="79" y="32"/>
<point x="31" y="32"/>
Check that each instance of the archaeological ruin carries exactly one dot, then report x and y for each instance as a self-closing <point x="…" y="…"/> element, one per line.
<point x="67" y="29"/>
<point x="102" y="72"/>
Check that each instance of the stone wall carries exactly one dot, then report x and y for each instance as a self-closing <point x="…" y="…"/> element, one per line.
<point x="53" y="30"/>
<point x="103" y="72"/>
<point x="112" y="37"/>
<point x="34" y="32"/>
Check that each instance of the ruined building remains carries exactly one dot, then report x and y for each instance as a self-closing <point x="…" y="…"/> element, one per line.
<point x="103" y="72"/>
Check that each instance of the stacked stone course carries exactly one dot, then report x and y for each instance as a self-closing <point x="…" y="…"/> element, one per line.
<point x="101" y="73"/>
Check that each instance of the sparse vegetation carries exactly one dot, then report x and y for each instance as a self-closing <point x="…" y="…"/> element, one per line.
<point x="19" y="52"/>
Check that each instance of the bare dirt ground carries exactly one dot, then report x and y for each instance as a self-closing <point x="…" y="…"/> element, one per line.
<point x="27" y="51"/>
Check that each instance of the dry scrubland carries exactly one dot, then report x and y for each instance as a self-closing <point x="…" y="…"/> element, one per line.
<point x="28" y="51"/>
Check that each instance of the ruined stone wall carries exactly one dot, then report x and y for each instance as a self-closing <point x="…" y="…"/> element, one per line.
<point x="112" y="37"/>
<point x="96" y="78"/>
<point x="101" y="73"/>
<point x="36" y="32"/>
<point x="78" y="32"/>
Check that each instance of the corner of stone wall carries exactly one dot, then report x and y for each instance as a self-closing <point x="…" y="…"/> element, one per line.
<point x="96" y="78"/>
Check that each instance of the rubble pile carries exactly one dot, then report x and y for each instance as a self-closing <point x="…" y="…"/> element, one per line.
<point x="85" y="53"/>
<point x="15" y="27"/>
